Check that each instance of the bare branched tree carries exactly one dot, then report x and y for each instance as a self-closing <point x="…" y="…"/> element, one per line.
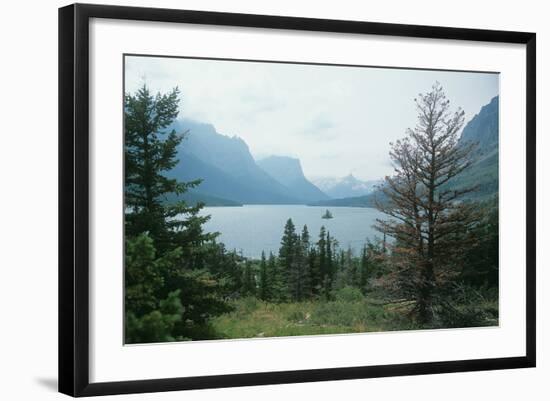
<point x="428" y="220"/>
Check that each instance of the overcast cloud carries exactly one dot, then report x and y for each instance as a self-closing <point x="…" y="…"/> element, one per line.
<point x="336" y="120"/>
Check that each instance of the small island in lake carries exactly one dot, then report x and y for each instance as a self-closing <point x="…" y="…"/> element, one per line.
<point x="327" y="215"/>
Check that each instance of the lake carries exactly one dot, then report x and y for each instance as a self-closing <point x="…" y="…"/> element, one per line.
<point x="253" y="228"/>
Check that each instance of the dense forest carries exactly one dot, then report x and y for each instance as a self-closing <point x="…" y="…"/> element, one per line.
<point x="434" y="265"/>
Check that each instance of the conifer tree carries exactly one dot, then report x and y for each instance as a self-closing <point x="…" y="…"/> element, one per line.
<point x="287" y="251"/>
<point x="305" y="268"/>
<point x="364" y="270"/>
<point x="265" y="280"/>
<point x="305" y="238"/>
<point x="348" y="270"/>
<point x="289" y="242"/>
<point x="144" y="274"/>
<point x="173" y="230"/>
<point x="249" y="280"/>
<point x="298" y="276"/>
<point x="322" y="263"/>
<point x="314" y="272"/>
<point x="278" y="290"/>
<point x="150" y="152"/>
<point x="430" y="223"/>
<point x="328" y="275"/>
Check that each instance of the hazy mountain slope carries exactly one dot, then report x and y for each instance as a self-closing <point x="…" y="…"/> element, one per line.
<point x="483" y="127"/>
<point x="482" y="130"/>
<point x="218" y="183"/>
<point x="192" y="197"/>
<point x="288" y="171"/>
<point x="226" y="167"/>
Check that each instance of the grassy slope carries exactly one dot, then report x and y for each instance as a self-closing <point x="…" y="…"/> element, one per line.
<point x="254" y="318"/>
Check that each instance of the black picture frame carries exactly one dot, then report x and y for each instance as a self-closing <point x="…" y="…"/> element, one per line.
<point x="74" y="198"/>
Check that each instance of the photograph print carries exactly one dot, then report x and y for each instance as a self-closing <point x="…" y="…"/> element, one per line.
<point x="271" y="199"/>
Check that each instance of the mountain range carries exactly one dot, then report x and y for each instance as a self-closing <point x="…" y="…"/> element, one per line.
<point x="231" y="176"/>
<point x="345" y="187"/>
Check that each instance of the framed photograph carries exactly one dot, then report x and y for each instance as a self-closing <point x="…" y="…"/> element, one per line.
<point x="251" y="199"/>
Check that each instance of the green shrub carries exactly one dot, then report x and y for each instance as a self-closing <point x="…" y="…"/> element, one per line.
<point x="155" y="326"/>
<point x="348" y="294"/>
<point x="341" y="313"/>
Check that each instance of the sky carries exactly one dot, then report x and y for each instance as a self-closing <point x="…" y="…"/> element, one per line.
<point x="336" y="120"/>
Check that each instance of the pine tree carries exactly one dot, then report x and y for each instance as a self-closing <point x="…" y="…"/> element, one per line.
<point x="249" y="280"/>
<point x="328" y="275"/>
<point x="305" y="238"/>
<point x="364" y="270"/>
<point x="265" y="285"/>
<point x="144" y="274"/>
<point x="314" y="272"/>
<point x="173" y="230"/>
<point x="278" y="290"/>
<point x="287" y="251"/>
<point x="322" y="268"/>
<point x="299" y="283"/>
<point x="304" y="266"/>
<point x="349" y="270"/>
<point x="225" y="266"/>
<point x="308" y="263"/>
<point x="153" y="281"/>
<point x="150" y="152"/>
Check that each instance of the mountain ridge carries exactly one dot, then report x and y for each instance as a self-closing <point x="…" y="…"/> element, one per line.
<point x="345" y="187"/>
<point x="226" y="167"/>
<point x="288" y="171"/>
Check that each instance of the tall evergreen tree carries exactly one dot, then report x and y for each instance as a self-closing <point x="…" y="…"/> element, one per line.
<point x="349" y="269"/>
<point x="287" y="251"/>
<point x="150" y="152"/>
<point x="364" y="270"/>
<point x="328" y="275"/>
<point x="249" y="280"/>
<point x="314" y="272"/>
<point x="305" y="268"/>
<point x="298" y="275"/>
<point x="277" y="287"/>
<point x="264" y="286"/>
<point x="304" y="238"/>
<point x="322" y="256"/>
<point x="171" y="229"/>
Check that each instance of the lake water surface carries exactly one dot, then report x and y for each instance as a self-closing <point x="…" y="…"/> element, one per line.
<point x="253" y="228"/>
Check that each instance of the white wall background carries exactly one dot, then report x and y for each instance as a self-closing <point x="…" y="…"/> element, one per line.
<point x="28" y="201"/>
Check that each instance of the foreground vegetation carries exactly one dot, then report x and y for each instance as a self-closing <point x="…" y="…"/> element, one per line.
<point x="350" y="312"/>
<point x="256" y="318"/>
